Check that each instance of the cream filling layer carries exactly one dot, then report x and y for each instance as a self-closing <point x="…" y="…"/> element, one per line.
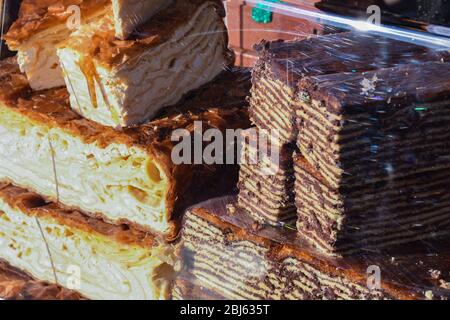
<point x="133" y="92"/>
<point x="92" y="264"/>
<point x="118" y="181"/>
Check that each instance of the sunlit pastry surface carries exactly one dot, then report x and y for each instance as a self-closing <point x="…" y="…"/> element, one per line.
<point x="98" y="260"/>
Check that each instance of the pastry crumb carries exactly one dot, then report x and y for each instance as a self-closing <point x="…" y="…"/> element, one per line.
<point x="231" y="209"/>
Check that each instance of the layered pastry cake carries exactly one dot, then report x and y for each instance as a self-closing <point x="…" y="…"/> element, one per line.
<point x="122" y="83"/>
<point x="266" y="178"/>
<point x="42" y="25"/>
<point x="348" y="220"/>
<point x="282" y="64"/>
<point x="17" y="285"/>
<point x="124" y="176"/>
<point x="227" y="255"/>
<point x="62" y="246"/>
<point x="377" y="157"/>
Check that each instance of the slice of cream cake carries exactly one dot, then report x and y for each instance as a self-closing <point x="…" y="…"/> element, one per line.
<point x="44" y="24"/>
<point x="98" y="260"/>
<point x="124" y="176"/>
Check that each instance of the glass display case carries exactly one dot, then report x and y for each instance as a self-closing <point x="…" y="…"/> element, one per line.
<point x="298" y="19"/>
<point x="209" y="149"/>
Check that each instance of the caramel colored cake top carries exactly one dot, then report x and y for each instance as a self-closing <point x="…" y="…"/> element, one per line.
<point x="105" y="48"/>
<point x="214" y="103"/>
<point x="38" y="15"/>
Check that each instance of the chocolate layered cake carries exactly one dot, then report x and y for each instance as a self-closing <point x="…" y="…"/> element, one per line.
<point x="43" y="24"/>
<point x="123" y="83"/>
<point x="282" y="64"/>
<point x="266" y="178"/>
<point x="227" y="255"/>
<point x="17" y="285"/>
<point x="124" y="176"/>
<point x="61" y="246"/>
<point x="377" y="157"/>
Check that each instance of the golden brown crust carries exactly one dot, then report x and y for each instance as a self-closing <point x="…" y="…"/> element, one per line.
<point x="107" y="50"/>
<point x="223" y="110"/>
<point x="34" y="205"/>
<point x="17" y="285"/>
<point x="38" y="15"/>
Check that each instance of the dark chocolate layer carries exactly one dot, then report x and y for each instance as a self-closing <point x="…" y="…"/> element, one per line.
<point x="374" y="126"/>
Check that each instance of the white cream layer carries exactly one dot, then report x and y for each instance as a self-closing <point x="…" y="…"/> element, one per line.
<point x="92" y="264"/>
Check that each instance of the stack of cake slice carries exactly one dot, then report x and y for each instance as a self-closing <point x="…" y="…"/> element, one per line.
<point x="8" y="14"/>
<point x="375" y="163"/>
<point x="122" y="83"/>
<point x="226" y="257"/>
<point x="94" y="209"/>
<point x="275" y="96"/>
<point x="100" y="205"/>
<point x="106" y="173"/>
<point x="17" y="285"/>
